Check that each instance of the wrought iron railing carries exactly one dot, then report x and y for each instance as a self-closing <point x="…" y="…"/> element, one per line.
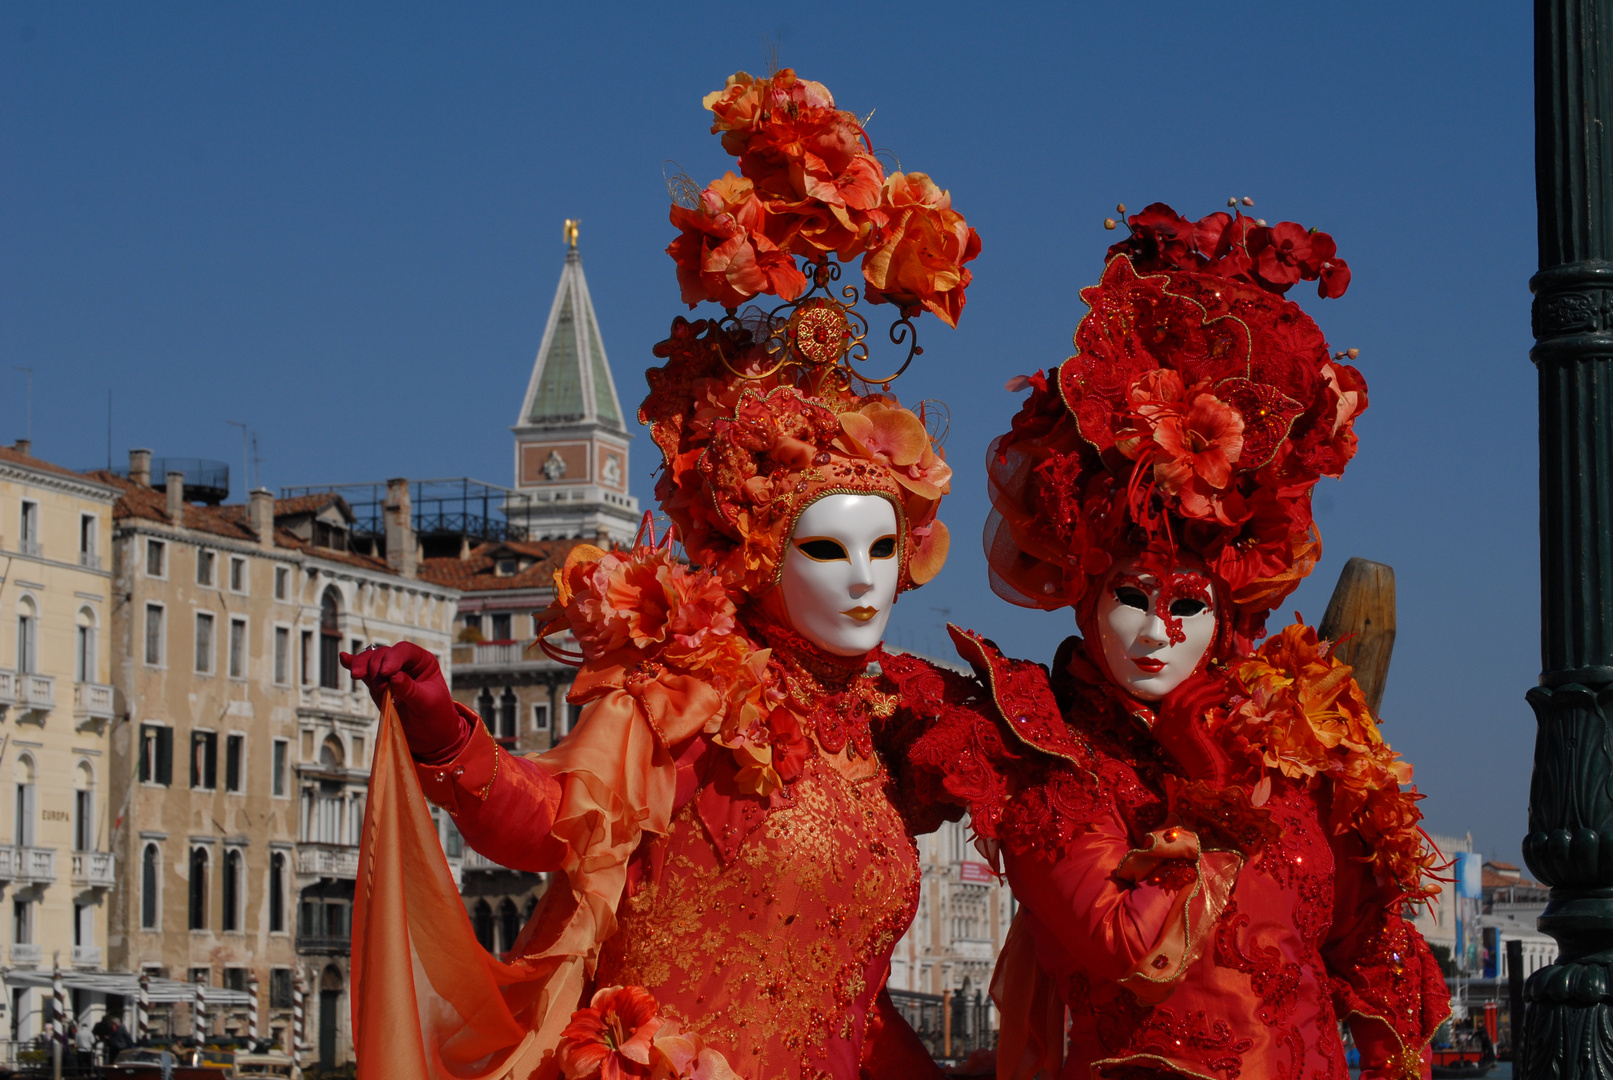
<point x="970" y="1027"/>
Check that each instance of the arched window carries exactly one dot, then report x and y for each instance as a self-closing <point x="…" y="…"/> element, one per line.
<point x="27" y="637"/>
<point x="198" y="888"/>
<point x="84" y="667"/>
<point x="331" y="754"/>
<point x="277" y="893"/>
<point x="509" y="925"/>
<point x="482" y="921"/>
<point x="83" y="807"/>
<point x="230" y="889"/>
<point x="330" y="639"/>
<point x="150" y="883"/>
<point x="23" y="818"/>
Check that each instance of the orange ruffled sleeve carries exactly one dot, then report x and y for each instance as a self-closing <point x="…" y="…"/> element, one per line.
<point x="428" y="1000"/>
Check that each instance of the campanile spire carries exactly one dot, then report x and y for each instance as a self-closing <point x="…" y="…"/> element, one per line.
<point x="570" y="438"/>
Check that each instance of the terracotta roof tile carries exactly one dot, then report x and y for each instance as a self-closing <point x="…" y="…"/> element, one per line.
<point x="476" y="574"/>
<point x="311" y="504"/>
<point x="233" y="521"/>
<point x="11" y="454"/>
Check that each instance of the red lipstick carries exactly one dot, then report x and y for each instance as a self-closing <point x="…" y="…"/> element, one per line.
<point x="1148" y="664"/>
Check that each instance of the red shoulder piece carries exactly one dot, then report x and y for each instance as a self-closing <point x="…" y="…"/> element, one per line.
<point x="1023" y="694"/>
<point x="944" y="747"/>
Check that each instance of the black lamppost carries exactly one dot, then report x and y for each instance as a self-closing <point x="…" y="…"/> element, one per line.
<point x="1569" y="1016"/>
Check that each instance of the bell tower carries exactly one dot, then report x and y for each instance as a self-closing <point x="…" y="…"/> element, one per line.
<point x="570" y="439"/>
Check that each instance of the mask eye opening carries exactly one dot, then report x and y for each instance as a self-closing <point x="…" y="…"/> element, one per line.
<point x="1187" y="607"/>
<point x="822" y="549"/>
<point x="1131" y="596"/>
<point x="883" y="548"/>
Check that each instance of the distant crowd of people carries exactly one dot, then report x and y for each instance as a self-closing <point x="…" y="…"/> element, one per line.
<point x="88" y="1045"/>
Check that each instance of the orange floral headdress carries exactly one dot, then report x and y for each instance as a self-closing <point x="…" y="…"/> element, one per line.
<point x="1198" y="412"/>
<point x="758" y="417"/>
<point x="810" y="186"/>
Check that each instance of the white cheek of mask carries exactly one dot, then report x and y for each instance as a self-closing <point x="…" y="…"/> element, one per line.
<point x="838" y="582"/>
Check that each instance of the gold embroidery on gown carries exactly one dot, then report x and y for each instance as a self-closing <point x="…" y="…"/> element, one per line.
<point x="771" y="957"/>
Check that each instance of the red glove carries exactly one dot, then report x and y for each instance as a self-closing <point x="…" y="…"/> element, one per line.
<point x="1182" y="730"/>
<point x="419" y="692"/>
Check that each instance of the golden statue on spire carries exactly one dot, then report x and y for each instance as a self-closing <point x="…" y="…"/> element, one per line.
<point x="571" y="232"/>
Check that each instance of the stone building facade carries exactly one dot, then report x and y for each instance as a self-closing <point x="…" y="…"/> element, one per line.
<point x="962" y="921"/>
<point x="58" y="602"/>
<point x="241" y="755"/>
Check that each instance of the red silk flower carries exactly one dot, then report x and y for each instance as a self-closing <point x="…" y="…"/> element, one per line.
<point x="612" y="1038"/>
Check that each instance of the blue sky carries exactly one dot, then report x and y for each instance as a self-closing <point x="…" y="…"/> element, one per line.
<point x="340" y="225"/>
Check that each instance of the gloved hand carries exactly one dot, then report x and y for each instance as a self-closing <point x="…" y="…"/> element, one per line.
<point x="1181" y="729"/>
<point x="419" y="692"/>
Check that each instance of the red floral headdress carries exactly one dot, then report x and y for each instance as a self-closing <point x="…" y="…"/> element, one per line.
<point x="1195" y="417"/>
<point x="757" y="417"/>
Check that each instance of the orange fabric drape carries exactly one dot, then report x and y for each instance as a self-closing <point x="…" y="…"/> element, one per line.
<point x="427" y="1000"/>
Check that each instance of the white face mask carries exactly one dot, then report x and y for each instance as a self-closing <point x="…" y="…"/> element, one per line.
<point x="841" y="569"/>
<point x="1136" y="637"/>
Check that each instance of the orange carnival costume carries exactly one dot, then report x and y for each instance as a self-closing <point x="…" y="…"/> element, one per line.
<point x="1210" y="881"/>
<point x="730" y="874"/>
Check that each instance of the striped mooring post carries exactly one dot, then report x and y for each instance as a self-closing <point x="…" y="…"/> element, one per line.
<point x="297" y="1017"/>
<point x="252" y="1005"/>
<point x="142" y="1009"/>
<point x="58" y="992"/>
<point x="198" y="1011"/>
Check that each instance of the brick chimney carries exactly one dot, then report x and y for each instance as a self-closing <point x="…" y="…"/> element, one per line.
<point x="262" y="503"/>
<point x="24" y="447"/>
<point x="401" y="550"/>
<point x="140" y="467"/>
<point x="176" y="496"/>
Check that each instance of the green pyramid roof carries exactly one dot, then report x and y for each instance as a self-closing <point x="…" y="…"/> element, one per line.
<point x="571" y="379"/>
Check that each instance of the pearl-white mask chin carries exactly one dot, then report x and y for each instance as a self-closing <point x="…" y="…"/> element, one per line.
<point x="1136" y="640"/>
<point x="841" y="569"/>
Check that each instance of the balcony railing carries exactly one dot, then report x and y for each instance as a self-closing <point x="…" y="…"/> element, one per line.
<point x="8" y="687"/>
<point x="499" y="652"/>
<point x="25" y="955"/>
<point x="37" y="692"/>
<point x="89" y="560"/>
<point x="338" y="946"/>
<point x="343" y="699"/>
<point x="328" y="860"/>
<point x="94" y="870"/>
<point x="475" y="860"/>
<point x="86" y="956"/>
<point x="508" y="653"/>
<point x="92" y="701"/>
<point x="27" y="865"/>
<point x="29" y="548"/>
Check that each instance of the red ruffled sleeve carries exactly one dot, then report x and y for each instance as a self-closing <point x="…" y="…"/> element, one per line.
<point x="1386" y="983"/>
<point x="502" y="803"/>
<point x="942" y="749"/>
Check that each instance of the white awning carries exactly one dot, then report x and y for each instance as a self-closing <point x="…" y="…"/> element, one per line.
<point x="160" y="991"/>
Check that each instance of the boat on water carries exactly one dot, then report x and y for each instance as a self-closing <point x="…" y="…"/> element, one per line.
<point x="1454" y="1063"/>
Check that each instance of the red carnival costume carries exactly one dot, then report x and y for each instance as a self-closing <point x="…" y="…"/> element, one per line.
<point x="1208" y="883"/>
<point x="730" y="874"/>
